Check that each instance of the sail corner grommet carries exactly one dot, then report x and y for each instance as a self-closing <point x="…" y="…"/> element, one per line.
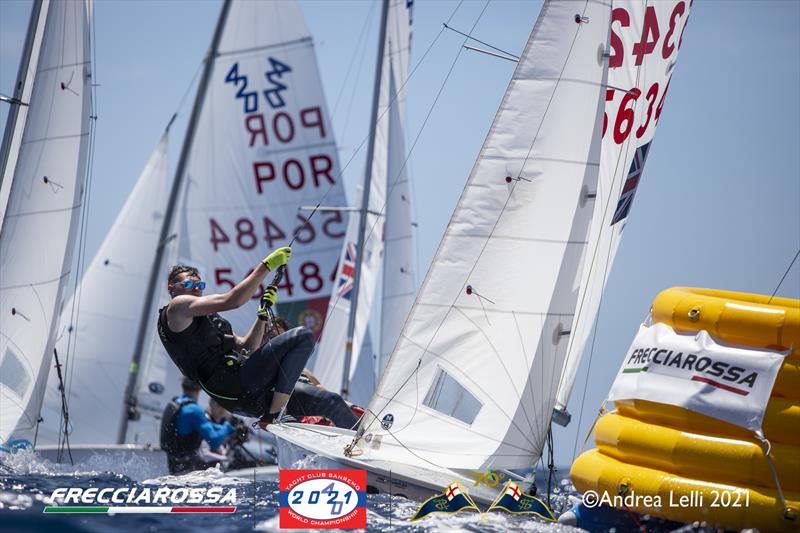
<point x="694" y="313"/>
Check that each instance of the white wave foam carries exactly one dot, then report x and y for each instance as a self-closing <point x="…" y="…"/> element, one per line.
<point x="211" y="475"/>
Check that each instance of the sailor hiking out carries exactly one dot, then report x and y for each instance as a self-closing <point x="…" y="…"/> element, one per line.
<point x="240" y="373"/>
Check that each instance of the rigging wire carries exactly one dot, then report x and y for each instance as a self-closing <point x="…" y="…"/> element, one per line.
<point x="392" y="100"/>
<point x="784" y="277"/>
<point x="349" y="114"/>
<point x="364" y="27"/>
<point x="72" y="343"/>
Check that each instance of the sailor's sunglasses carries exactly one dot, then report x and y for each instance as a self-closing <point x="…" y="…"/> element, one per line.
<point x="191" y="284"/>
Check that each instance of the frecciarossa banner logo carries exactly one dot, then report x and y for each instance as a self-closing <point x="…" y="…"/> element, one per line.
<point x="715" y="372"/>
<point x="694" y="371"/>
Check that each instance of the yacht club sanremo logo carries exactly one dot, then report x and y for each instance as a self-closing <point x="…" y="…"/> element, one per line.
<point x="323" y="499"/>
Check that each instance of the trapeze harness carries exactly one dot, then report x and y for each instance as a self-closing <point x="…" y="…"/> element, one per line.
<point x="205" y="352"/>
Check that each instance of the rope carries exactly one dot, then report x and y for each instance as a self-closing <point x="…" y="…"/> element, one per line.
<point x="784" y="277"/>
<point x="788" y="512"/>
<point x="64" y="429"/>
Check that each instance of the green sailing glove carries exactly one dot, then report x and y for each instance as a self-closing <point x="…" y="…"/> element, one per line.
<point x="268" y="299"/>
<point x="278" y="258"/>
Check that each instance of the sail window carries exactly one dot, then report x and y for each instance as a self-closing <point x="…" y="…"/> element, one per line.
<point x="450" y="398"/>
<point x="13" y="374"/>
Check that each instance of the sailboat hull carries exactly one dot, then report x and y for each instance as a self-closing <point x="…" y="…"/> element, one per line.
<point x="305" y="447"/>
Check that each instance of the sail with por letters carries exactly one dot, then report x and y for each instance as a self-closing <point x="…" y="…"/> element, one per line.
<point x="263" y="147"/>
<point x="41" y="217"/>
<point x="479" y="356"/>
<point x="96" y="331"/>
<point x="388" y="184"/>
<point x="644" y="72"/>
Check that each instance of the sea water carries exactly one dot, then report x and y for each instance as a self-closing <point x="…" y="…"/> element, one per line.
<point x="27" y="481"/>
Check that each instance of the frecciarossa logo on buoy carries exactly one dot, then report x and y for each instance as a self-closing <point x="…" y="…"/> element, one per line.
<point x="702" y="368"/>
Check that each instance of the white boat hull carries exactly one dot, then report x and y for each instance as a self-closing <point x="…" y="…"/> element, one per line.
<point x="306" y="447"/>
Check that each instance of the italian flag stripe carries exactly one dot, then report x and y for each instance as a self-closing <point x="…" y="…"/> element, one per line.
<point x="139" y="510"/>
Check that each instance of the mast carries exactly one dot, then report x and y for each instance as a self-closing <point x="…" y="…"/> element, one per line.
<point x="362" y="221"/>
<point x="19" y="88"/>
<point x="129" y="404"/>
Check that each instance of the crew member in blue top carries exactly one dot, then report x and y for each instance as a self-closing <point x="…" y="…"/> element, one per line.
<point x="183" y="428"/>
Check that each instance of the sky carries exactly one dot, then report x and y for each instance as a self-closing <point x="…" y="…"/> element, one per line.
<point x="718" y="207"/>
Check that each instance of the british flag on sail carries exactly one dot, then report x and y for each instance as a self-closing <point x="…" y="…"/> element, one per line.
<point x="344" y="286"/>
<point x="631" y="182"/>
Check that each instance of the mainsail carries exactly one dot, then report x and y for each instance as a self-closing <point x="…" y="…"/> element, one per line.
<point x="479" y="356"/>
<point x="41" y="217"/>
<point x="18" y="112"/>
<point x="645" y="40"/>
<point x="97" y="330"/>
<point x="399" y="281"/>
<point x="388" y="191"/>
<point x="263" y="147"/>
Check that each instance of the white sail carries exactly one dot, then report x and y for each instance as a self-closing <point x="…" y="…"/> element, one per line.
<point x="632" y="67"/>
<point x="97" y="330"/>
<point x="263" y="147"/>
<point x="42" y="215"/>
<point x="399" y="282"/>
<point x="330" y="361"/>
<point x="159" y="380"/>
<point x="472" y="380"/>
<point x="18" y="114"/>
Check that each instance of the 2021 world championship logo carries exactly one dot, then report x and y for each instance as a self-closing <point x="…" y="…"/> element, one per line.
<point x="323" y="499"/>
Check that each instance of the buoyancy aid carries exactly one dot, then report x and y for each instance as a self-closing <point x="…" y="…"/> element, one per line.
<point x="200" y="352"/>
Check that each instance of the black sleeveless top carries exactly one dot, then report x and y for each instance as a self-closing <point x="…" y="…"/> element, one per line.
<point x="200" y="349"/>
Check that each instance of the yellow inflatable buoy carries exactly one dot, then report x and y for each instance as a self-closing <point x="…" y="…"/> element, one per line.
<point x="649" y="449"/>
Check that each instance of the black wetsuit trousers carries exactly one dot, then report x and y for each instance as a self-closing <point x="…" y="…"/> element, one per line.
<point x="310" y="400"/>
<point x="274" y="367"/>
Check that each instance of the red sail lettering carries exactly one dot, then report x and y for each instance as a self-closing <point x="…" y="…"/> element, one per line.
<point x="288" y="127"/>
<point x="255" y="125"/>
<point x="321" y="165"/>
<point x="263" y="171"/>
<point x="311" y="117"/>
